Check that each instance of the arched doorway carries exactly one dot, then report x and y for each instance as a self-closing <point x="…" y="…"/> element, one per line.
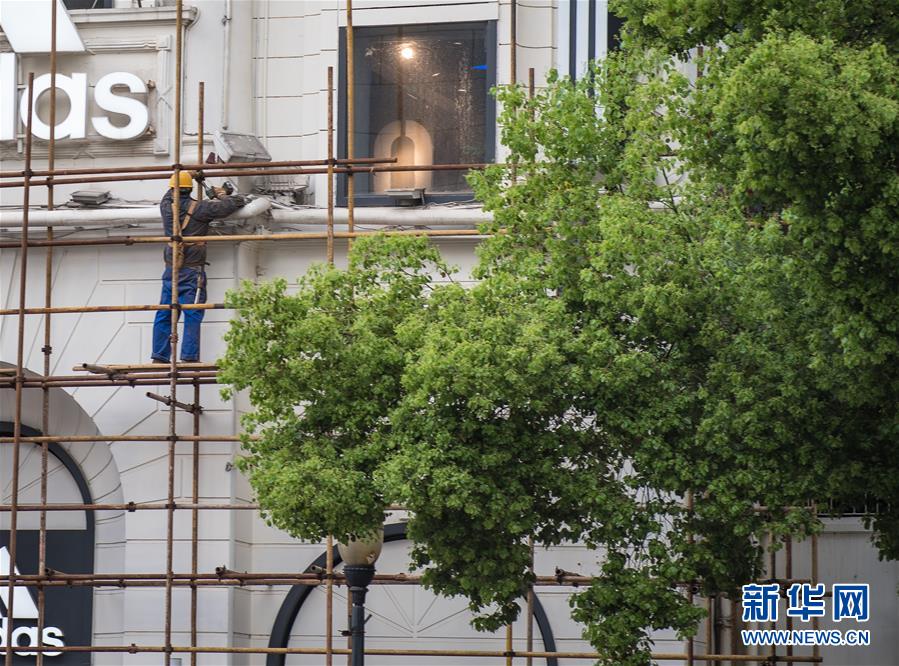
<point x="299" y="595"/>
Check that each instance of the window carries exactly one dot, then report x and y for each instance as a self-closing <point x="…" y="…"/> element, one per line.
<point x="613" y="32"/>
<point x="87" y="4"/>
<point x="422" y="96"/>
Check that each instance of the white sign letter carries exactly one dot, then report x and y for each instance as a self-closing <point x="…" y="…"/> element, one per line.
<point x="74" y="125"/>
<point x="108" y="101"/>
<point x="53" y="636"/>
<point x="7" y="96"/>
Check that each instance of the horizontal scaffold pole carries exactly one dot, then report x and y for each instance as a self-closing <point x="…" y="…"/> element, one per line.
<point x="660" y="656"/>
<point x="128" y="506"/>
<point x="287" y="171"/>
<point x="37" y="439"/>
<point x="203" y="166"/>
<point x="310" y="235"/>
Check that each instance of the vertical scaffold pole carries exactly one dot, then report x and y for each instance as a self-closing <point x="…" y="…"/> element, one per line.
<point x="350" y="120"/>
<point x="690" y="643"/>
<point x="529" y="620"/>
<point x="816" y="651"/>
<point x="773" y="576"/>
<point x="175" y="311"/>
<point x="20" y="379"/>
<point x="788" y="574"/>
<point x="529" y="626"/>
<point x="330" y="168"/>
<point x="195" y="496"/>
<point x="513" y="42"/>
<point x="350" y="195"/>
<point x="201" y="129"/>
<point x="736" y="624"/>
<point x="47" y="349"/>
<point x="195" y="524"/>
<point x="329" y="602"/>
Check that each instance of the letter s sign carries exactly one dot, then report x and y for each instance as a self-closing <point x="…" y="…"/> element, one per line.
<point x="107" y="100"/>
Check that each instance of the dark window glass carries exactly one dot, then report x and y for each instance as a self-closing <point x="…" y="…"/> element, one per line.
<point x="614" y="24"/>
<point x="87" y="4"/>
<point x="421" y="95"/>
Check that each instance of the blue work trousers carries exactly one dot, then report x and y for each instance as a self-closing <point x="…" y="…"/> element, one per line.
<point x="191" y="289"/>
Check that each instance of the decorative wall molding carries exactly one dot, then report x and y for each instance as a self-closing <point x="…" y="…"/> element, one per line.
<point x="164" y="91"/>
<point x="134" y="18"/>
<point x="119" y="18"/>
<point x="102" y="45"/>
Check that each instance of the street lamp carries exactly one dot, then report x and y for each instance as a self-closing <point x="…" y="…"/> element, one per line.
<point x="359" y="557"/>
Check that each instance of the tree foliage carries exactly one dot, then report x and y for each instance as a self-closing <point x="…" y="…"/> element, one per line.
<point x="323" y="367"/>
<point x="690" y="294"/>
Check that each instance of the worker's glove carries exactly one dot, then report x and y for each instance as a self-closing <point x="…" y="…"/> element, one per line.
<point x="219" y="192"/>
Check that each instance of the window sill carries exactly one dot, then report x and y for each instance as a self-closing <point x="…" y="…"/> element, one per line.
<point x="385" y="201"/>
<point x="142" y="16"/>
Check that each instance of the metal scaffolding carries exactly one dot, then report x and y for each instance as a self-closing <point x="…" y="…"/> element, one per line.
<point x="195" y="375"/>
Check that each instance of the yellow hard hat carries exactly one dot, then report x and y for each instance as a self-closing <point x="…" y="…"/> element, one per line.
<point x="184" y="180"/>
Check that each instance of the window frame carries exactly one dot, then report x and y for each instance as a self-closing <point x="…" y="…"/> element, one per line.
<point x="98" y="4"/>
<point x="370" y="199"/>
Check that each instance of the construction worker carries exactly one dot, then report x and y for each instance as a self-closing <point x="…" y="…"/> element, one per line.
<point x="195" y="218"/>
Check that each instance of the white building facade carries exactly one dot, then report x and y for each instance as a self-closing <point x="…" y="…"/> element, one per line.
<point x="422" y="71"/>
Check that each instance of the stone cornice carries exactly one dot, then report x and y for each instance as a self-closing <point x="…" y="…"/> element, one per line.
<point x="137" y="17"/>
<point x="121" y="17"/>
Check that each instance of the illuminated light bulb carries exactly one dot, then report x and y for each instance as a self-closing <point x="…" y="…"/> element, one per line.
<point x="407" y="52"/>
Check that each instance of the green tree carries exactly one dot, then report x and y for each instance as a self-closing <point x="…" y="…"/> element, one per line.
<point x="795" y="122"/>
<point x="322" y="367"/>
<point x="690" y="293"/>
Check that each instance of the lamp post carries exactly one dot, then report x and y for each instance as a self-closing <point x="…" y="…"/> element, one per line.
<point x="359" y="557"/>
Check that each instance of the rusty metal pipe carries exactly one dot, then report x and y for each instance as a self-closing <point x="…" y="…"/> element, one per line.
<point x="199" y="166"/>
<point x="176" y="245"/>
<point x="338" y="578"/>
<point x="661" y="656"/>
<point x="231" y="171"/>
<point x="130" y="507"/>
<point x="117" y="375"/>
<point x="133" y="383"/>
<point x="117" y="308"/>
<point x="195" y="523"/>
<point x="529" y="620"/>
<point x="46" y="349"/>
<point x="231" y="238"/>
<point x="816" y="650"/>
<point x="350" y="118"/>
<point x="183" y="367"/>
<point x="513" y="42"/>
<point x="690" y="539"/>
<point x="788" y="573"/>
<point x="73" y="439"/>
<point x="169" y="402"/>
<point x="329" y="602"/>
<point x="20" y="376"/>
<point x="195" y="467"/>
<point x="330" y="245"/>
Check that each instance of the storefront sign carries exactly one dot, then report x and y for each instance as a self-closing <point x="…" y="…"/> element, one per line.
<point x="68" y="611"/>
<point x="74" y="86"/>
